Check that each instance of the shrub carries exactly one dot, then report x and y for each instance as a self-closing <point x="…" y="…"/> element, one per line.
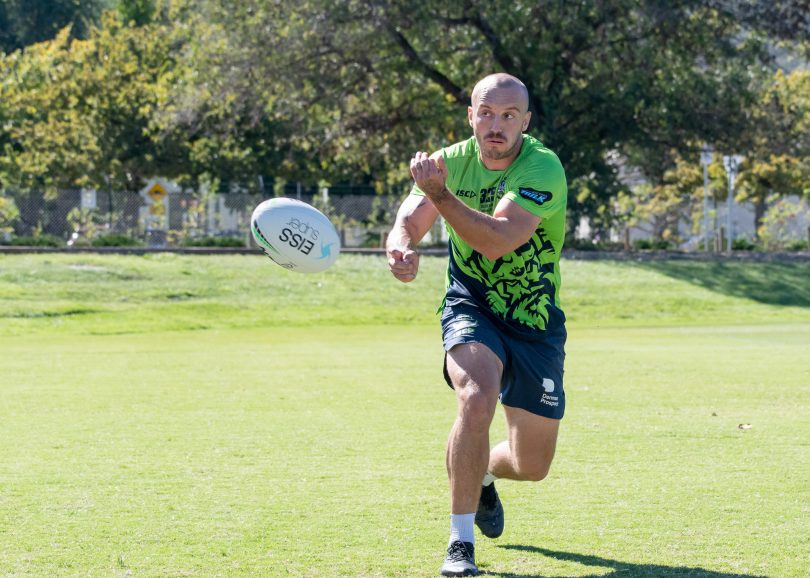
<point x="116" y="240"/>
<point x="8" y="214"/>
<point x="588" y="245"/>
<point x="796" y="246"/>
<point x="742" y="244"/>
<point x="651" y="244"/>
<point x="38" y="241"/>
<point x="580" y="245"/>
<point x="214" y="242"/>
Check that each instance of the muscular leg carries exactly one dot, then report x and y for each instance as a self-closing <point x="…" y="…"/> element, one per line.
<point x="476" y="375"/>
<point x="528" y="453"/>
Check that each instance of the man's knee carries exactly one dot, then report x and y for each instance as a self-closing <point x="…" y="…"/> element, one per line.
<point x="475" y="373"/>
<point x="532" y="443"/>
<point x="533" y="466"/>
<point x="476" y="403"/>
<point x="534" y="472"/>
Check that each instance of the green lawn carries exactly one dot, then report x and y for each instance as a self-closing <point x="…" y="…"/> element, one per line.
<point x="219" y="416"/>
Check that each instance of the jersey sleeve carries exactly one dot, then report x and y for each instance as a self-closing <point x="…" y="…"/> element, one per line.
<point x="541" y="187"/>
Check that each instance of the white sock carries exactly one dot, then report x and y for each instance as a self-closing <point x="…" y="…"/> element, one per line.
<point x="461" y="528"/>
<point x="488" y="479"/>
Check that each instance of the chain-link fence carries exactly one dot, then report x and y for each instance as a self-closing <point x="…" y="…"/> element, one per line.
<point x="161" y="218"/>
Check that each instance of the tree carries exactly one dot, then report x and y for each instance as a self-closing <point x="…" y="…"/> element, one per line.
<point x="81" y="112"/>
<point x="354" y="87"/>
<point x="778" y="151"/>
<point x="25" y="22"/>
<point x="45" y="138"/>
<point x="662" y="209"/>
<point x="274" y="89"/>
<point x="139" y="12"/>
<point x="249" y="91"/>
<point x="8" y="214"/>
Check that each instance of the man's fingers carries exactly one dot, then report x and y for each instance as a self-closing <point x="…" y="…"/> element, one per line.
<point x="399" y="266"/>
<point x="441" y="167"/>
<point x="405" y="277"/>
<point x="403" y="264"/>
<point x="400" y="261"/>
<point x="418" y="160"/>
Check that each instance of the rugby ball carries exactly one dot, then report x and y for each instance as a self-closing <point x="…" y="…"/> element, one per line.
<point x="295" y="235"/>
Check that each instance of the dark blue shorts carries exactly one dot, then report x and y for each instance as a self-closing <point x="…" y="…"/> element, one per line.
<point x="532" y="368"/>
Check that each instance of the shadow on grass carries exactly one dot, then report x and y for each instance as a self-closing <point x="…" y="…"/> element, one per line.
<point x="620" y="569"/>
<point x="774" y="283"/>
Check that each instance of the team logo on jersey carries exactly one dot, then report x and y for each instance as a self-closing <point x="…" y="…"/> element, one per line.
<point x="502" y="187"/>
<point x="539" y="197"/>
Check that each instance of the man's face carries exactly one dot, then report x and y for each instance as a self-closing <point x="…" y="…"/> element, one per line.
<point x="498" y="118"/>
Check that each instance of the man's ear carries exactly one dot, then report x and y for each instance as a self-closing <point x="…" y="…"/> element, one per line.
<point x="470" y="115"/>
<point x="526" y="120"/>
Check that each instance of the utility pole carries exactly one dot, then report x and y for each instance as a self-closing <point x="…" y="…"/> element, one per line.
<point x="706" y="159"/>
<point x="731" y="163"/>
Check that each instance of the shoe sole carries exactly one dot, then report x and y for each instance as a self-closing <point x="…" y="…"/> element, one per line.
<point x="464" y="573"/>
<point x="486" y="526"/>
<point x="488" y="532"/>
<point x="486" y="529"/>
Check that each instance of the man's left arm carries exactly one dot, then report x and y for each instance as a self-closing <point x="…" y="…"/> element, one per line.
<point x="509" y="227"/>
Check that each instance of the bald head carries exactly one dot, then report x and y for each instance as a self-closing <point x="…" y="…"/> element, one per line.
<point x="502" y="85"/>
<point x="498" y="115"/>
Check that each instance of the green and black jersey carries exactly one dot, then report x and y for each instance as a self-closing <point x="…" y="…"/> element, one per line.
<point x="522" y="288"/>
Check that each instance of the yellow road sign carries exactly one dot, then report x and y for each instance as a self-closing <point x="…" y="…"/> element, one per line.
<point x="156" y="192"/>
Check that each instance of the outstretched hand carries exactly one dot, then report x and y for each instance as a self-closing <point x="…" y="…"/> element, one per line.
<point x="430" y="174"/>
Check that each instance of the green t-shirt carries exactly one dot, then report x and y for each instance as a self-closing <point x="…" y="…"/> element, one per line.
<point x="522" y="287"/>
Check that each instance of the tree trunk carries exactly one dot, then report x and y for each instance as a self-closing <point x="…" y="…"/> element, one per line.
<point x="760" y="206"/>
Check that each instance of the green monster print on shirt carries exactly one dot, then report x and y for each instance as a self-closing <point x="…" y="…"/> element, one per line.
<point x="519" y="286"/>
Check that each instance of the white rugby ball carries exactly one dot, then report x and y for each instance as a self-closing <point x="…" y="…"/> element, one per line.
<point x="295" y="235"/>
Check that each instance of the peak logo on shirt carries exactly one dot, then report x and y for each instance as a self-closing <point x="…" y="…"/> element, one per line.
<point x="539" y="197"/>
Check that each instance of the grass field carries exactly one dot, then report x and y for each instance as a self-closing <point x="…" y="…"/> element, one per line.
<point x="170" y="415"/>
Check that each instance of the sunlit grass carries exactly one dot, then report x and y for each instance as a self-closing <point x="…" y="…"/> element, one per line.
<point x="218" y="416"/>
<point x="164" y="292"/>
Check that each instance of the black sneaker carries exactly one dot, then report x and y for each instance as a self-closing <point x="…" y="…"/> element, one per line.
<point x="460" y="560"/>
<point x="489" y="517"/>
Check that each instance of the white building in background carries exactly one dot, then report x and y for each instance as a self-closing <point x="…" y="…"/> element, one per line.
<point x="742" y="216"/>
<point x="220" y="217"/>
<point x="742" y="225"/>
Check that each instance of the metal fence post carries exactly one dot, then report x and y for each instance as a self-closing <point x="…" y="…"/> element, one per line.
<point x="706" y="159"/>
<point x="731" y="163"/>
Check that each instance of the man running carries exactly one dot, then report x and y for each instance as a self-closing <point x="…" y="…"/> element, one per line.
<point x="503" y="197"/>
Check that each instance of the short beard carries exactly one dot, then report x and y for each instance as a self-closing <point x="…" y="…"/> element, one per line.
<point x="496" y="156"/>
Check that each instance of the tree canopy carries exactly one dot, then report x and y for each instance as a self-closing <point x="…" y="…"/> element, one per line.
<point x="345" y="91"/>
<point x="24" y="22"/>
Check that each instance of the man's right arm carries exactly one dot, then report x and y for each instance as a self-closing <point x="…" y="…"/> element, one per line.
<point x="415" y="217"/>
